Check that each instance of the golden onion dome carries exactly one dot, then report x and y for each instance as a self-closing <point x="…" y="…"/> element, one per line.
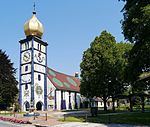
<point x="33" y="27"/>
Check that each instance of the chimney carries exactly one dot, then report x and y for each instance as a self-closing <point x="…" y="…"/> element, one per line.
<point x="76" y="75"/>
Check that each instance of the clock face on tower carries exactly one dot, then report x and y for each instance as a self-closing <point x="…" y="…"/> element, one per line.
<point x="26" y="56"/>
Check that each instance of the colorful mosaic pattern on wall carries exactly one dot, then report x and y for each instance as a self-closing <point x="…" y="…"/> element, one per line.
<point x="62" y="81"/>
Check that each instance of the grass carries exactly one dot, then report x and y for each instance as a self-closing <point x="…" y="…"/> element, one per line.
<point x="10" y="113"/>
<point x="135" y="118"/>
<point x="71" y="110"/>
<point x="72" y="119"/>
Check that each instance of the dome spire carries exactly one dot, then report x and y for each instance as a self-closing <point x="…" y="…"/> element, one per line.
<point x="34" y="12"/>
<point x="33" y="26"/>
<point x="34" y="7"/>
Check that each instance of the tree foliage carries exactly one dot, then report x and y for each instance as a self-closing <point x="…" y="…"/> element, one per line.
<point x="102" y="67"/>
<point x="136" y="22"/>
<point x="136" y="29"/>
<point x="8" y="83"/>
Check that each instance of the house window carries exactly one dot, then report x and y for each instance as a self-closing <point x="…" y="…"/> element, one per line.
<point x="39" y="77"/>
<point x="26" y="86"/>
<point x="26" y="68"/>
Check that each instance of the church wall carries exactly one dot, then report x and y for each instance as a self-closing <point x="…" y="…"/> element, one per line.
<point x="37" y="46"/>
<point x="26" y="70"/>
<point x="78" y="100"/>
<point x="66" y="98"/>
<point x="26" y="45"/>
<point x="26" y="95"/>
<point x="58" y="99"/>
<point x="38" y="88"/>
<point x="39" y="68"/>
<point x="51" y="95"/>
<point x="72" y="94"/>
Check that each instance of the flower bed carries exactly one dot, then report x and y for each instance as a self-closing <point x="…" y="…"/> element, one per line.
<point x="15" y="120"/>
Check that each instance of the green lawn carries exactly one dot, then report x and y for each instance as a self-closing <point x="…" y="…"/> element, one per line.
<point x="136" y="118"/>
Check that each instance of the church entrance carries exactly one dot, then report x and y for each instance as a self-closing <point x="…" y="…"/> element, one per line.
<point x="39" y="106"/>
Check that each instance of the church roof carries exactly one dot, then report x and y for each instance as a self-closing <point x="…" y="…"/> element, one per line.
<point x="62" y="81"/>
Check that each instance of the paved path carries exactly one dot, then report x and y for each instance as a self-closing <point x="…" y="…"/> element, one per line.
<point x="52" y="121"/>
<point x="79" y="124"/>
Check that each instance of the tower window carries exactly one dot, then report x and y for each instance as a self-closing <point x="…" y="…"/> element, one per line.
<point x="26" y="86"/>
<point x="26" y="68"/>
<point x="39" y="47"/>
<point x="39" y="77"/>
<point x="26" y="45"/>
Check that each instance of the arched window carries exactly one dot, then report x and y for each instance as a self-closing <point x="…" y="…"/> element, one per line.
<point x="26" y="68"/>
<point x="39" y="77"/>
<point x="26" y="86"/>
<point x="39" y="47"/>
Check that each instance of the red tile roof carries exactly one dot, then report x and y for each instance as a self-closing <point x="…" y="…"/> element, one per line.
<point x="62" y="81"/>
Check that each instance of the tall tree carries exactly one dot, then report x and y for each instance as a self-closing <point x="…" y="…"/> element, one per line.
<point x="121" y="61"/>
<point x="101" y="68"/>
<point x="136" y="29"/>
<point x="8" y="83"/>
<point x="136" y="20"/>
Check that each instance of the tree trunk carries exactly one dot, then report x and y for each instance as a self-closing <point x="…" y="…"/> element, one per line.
<point x="105" y="106"/>
<point x="113" y="104"/>
<point x="142" y="101"/>
<point x="131" y="103"/>
<point x="118" y="104"/>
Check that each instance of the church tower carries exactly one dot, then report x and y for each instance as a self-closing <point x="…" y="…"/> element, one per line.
<point x="33" y="65"/>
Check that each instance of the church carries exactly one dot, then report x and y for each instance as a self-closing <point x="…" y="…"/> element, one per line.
<point x="41" y="87"/>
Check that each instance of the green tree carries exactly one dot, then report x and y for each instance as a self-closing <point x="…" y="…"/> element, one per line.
<point x="102" y="68"/>
<point x="8" y="83"/>
<point x="136" y="29"/>
<point x="121" y="61"/>
<point x="136" y="22"/>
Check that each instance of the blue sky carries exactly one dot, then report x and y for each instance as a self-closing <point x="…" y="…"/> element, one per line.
<point x="69" y="27"/>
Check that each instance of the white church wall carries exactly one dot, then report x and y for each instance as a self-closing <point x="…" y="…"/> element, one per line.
<point x="42" y="47"/>
<point x="26" y="78"/>
<point x="39" y="68"/>
<point x="26" y="95"/>
<point x="58" y="99"/>
<point x="38" y="88"/>
<point x="26" y="45"/>
<point x="72" y="99"/>
<point x="26" y="68"/>
<point x="66" y="98"/>
<point x="78" y="100"/>
<point x="51" y="95"/>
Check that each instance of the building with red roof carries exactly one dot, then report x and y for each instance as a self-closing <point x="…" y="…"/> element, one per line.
<point x="63" y="90"/>
<point x="40" y="87"/>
